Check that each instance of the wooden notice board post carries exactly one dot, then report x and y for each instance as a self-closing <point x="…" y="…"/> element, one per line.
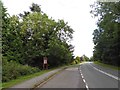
<point x="45" y="63"/>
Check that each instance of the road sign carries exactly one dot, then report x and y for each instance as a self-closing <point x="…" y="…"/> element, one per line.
<point x="45" y="63"/>
<point x="45" y="60"/>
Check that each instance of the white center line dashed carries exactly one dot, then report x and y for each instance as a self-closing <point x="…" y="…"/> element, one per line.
<point x="86" y="85"/>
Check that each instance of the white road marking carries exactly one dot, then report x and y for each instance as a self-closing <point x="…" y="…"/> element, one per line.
<point x="110" y="75"/>
<point x="86" y="85"/>
<point x="82" y="76"/>
<point x="84" y="80"/>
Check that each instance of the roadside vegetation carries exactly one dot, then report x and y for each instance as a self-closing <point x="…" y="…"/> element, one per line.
<point x="81" y="59"/>
<point x="23" y="78"/>
<point x="30" y="36"/>
<point x="107" y="65"/>
<point x="30" y="76"/>
<point x="76" y="60"/>
<point x="107" y="36"/>
<point x="13" y="70"/>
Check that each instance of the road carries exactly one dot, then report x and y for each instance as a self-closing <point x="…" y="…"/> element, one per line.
<point x="96" y="76"/>
<point x="34" y="81"/>
<point x="87" y="75"/>
<point x="69" y="78"/>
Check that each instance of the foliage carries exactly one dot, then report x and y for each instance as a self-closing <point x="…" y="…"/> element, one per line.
<point x="23" y="78"/>
<point x="107" y="36"/>
<point x="91" y="58"/>
<point x="28" y="37"/>
<point x="12" y="70"/>
<point x="85" y="58"/>
<point x="76" y="60"/>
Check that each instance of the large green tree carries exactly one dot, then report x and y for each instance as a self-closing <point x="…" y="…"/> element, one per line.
<point x="29" y="37"/>
<point x="107" y="36"/>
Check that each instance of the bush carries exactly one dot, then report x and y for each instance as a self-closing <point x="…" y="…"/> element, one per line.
<point x="12" y="70"/>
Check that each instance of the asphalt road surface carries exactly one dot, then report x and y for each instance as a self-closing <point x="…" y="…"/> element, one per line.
<point x="87" y="75"/>
<point x="69" y="78"/>
<point x="96" y="76"/>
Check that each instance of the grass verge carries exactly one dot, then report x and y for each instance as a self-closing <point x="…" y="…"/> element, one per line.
<point x="108" y="66"/>
<point x="0" y="85"/>
<point x="27" y="77"/>
<point x="24" y="78"/>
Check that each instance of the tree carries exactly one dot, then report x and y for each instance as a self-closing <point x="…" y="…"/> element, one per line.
<point x="106" y="37"/>
<point x="35" y="8"/>
<point x="29" y="37"/>
<point x="85" y="58"/>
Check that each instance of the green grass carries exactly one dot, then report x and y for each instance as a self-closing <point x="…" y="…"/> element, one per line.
<point x="27" y="77"/>
<point x="108" y="66"/>
<point x="23" y="78"/>
<point x="0" y="85"/>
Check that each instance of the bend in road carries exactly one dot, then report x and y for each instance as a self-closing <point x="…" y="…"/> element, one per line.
<point x="96" y="79"/>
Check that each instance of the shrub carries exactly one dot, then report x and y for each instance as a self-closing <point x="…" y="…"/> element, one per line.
<point x="12" y="70"/>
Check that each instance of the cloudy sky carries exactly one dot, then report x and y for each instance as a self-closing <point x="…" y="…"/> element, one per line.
<point x="75" y="12"/>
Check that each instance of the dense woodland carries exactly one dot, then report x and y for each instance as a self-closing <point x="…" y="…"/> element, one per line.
<point x="107" y="35"/>
<point x="30" y="36"/>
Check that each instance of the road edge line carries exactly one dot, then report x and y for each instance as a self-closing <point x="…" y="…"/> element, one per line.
<point x="108" y="74"/>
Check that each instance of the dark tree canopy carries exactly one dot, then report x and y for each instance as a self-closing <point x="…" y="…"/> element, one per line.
<point x="28" y="37"/>
<point x="107" y="36"/>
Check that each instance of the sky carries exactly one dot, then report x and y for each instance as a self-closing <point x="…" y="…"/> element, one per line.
<point x="75" y="12"/>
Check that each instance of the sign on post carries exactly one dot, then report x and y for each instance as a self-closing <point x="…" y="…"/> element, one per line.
<point x="45" y="63"/>
<point x="45" y="60"/>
